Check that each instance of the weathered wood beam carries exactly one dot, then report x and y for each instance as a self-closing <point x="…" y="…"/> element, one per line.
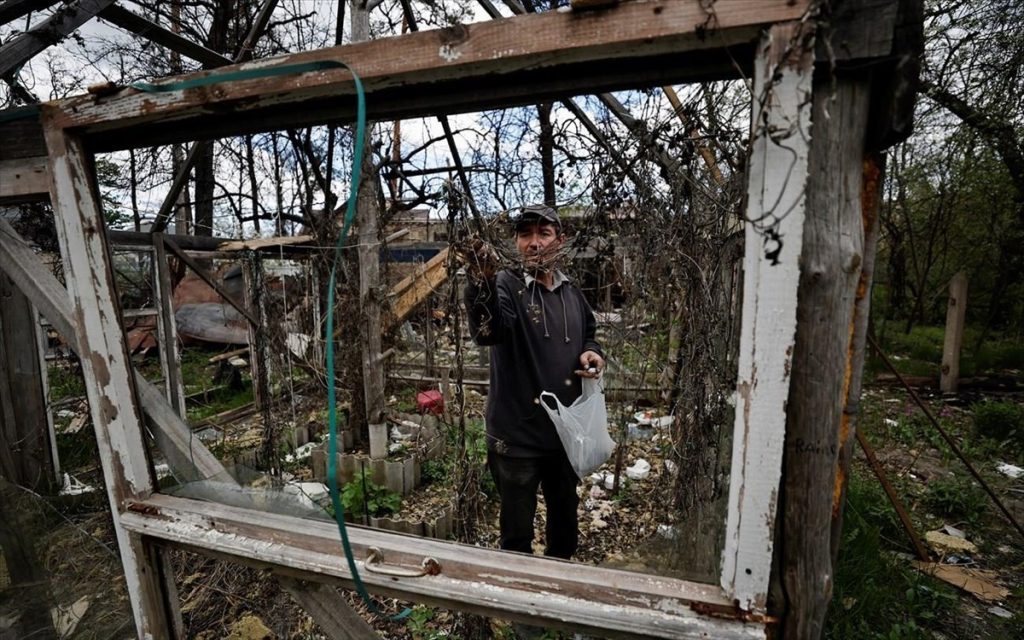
<point x="119" y="238"/>
<point x="22" y="134"/>
<point x="106" y="367"/>
<point x="606" y="602"/>
<point x="830" y="269"/>
<point x="64" y="20"/>
<point x="14" y="9"/>
<point x="953" y="340"/>
<point x="454" y="69"/>
<point x="26" y="451"/>
<point x="412" y="290"/>
<point x="871" y="203"/>
<point x="167" y="328"/>
<point x="149" y="30"/>
<point x="24" y="180"/>
<point x="776" y="208"/>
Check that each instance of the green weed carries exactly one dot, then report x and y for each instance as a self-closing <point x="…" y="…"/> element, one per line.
<point x="363" y="495"/>
<point x="955" y="497"/>
<point x="1001" y="421"/>
<point x="877" y="596"/>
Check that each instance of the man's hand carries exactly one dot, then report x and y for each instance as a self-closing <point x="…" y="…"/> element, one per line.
<point x="481" y="260"/>
<point x="592" y="363"/>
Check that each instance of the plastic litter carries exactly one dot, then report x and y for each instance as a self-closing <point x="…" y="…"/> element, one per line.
<point x="1010" y="470"/>
<point x="603" y="478"/>
<point x="582" y="427"/>
<point x="1000" y="612"/>
<point x="953" y="531"/>
<point x="430" y="401"/>
<point x="640" y="470"/>
<point x="644" y="418"/>
<point x="663" y="422"/>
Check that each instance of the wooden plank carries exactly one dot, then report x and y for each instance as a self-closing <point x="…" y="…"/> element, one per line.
<point x="26" y="448"/>
<point x="106" y="367"/>
<point x="22" y="134"/>
<point x="263" y="243"/>
<point x="20" y="49"/>
<point x="14" y="9"/>
<point x="605" y="602"/>
<point x="833" y="252"/>
<point x="153" y="32"/>
<point x="774" y="233"/>
<point x="42" y="346"/>
<point x="24" y="180"/>
<point x="170" y="354"/>
<point x="321" y="602"/>
<point x="413" y="290"/>
<point x="459" y="68"/>
<point x="123" y="239"/>
<point x="956" y="314"/>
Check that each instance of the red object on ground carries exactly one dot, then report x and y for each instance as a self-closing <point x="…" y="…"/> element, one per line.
<point x="430" y="401"/>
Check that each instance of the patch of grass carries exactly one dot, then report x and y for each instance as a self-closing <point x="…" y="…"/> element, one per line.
<point x="65" y="381"/>
<point x="876" y="595"/>
<point x="956" y="497"/>
<point x="1000" y="421"/>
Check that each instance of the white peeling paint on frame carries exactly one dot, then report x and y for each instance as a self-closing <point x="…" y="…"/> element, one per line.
<point x="102" y="352"/>
<point x="774" y="232"/>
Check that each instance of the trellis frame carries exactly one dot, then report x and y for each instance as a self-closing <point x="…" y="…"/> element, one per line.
<point x="457" y="69"/>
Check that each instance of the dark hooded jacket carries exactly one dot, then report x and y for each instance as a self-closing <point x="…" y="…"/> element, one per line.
<point x="536" y="337"/>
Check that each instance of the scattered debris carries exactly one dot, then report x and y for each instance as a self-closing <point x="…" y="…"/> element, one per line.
<point x="66" y="619"/>
<point x="1010" y="470"/>
<point x="953" y="531"/>
<point x="945" y="543"/>
<point x="603" y="477"/>
<point x="76" y="423"/>
<point x="430" y="401"/>
<point x="1000" y="612"/>
<point x="978" y="582"/>
<point x="303" y="452"/>
<point x="72" y="487"/>
<point x="249" y="627"/>
<point x="640" y="470"/>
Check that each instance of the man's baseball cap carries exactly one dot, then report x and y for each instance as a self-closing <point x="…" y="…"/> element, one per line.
<point x="536" y="213"/>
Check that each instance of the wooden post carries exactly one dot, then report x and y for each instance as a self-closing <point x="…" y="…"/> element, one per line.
<point x="830" y="270"/>
<point x="26" y="451"/>
<point x="774" y="229"/>
<point x="871" y="199"/>
<point x="369" y="274"/>
<point x="956" y="312"/>
<point x="106" y="366"/>
<point x="170" y="355"/>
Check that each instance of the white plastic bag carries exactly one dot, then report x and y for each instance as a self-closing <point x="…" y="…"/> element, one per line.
<point x="582" y="427"/>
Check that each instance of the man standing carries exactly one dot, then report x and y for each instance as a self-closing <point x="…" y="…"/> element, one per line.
<point x="541" y="333"/>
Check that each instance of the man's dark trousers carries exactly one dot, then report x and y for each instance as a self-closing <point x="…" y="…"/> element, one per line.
<point x="517" y="480"/>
